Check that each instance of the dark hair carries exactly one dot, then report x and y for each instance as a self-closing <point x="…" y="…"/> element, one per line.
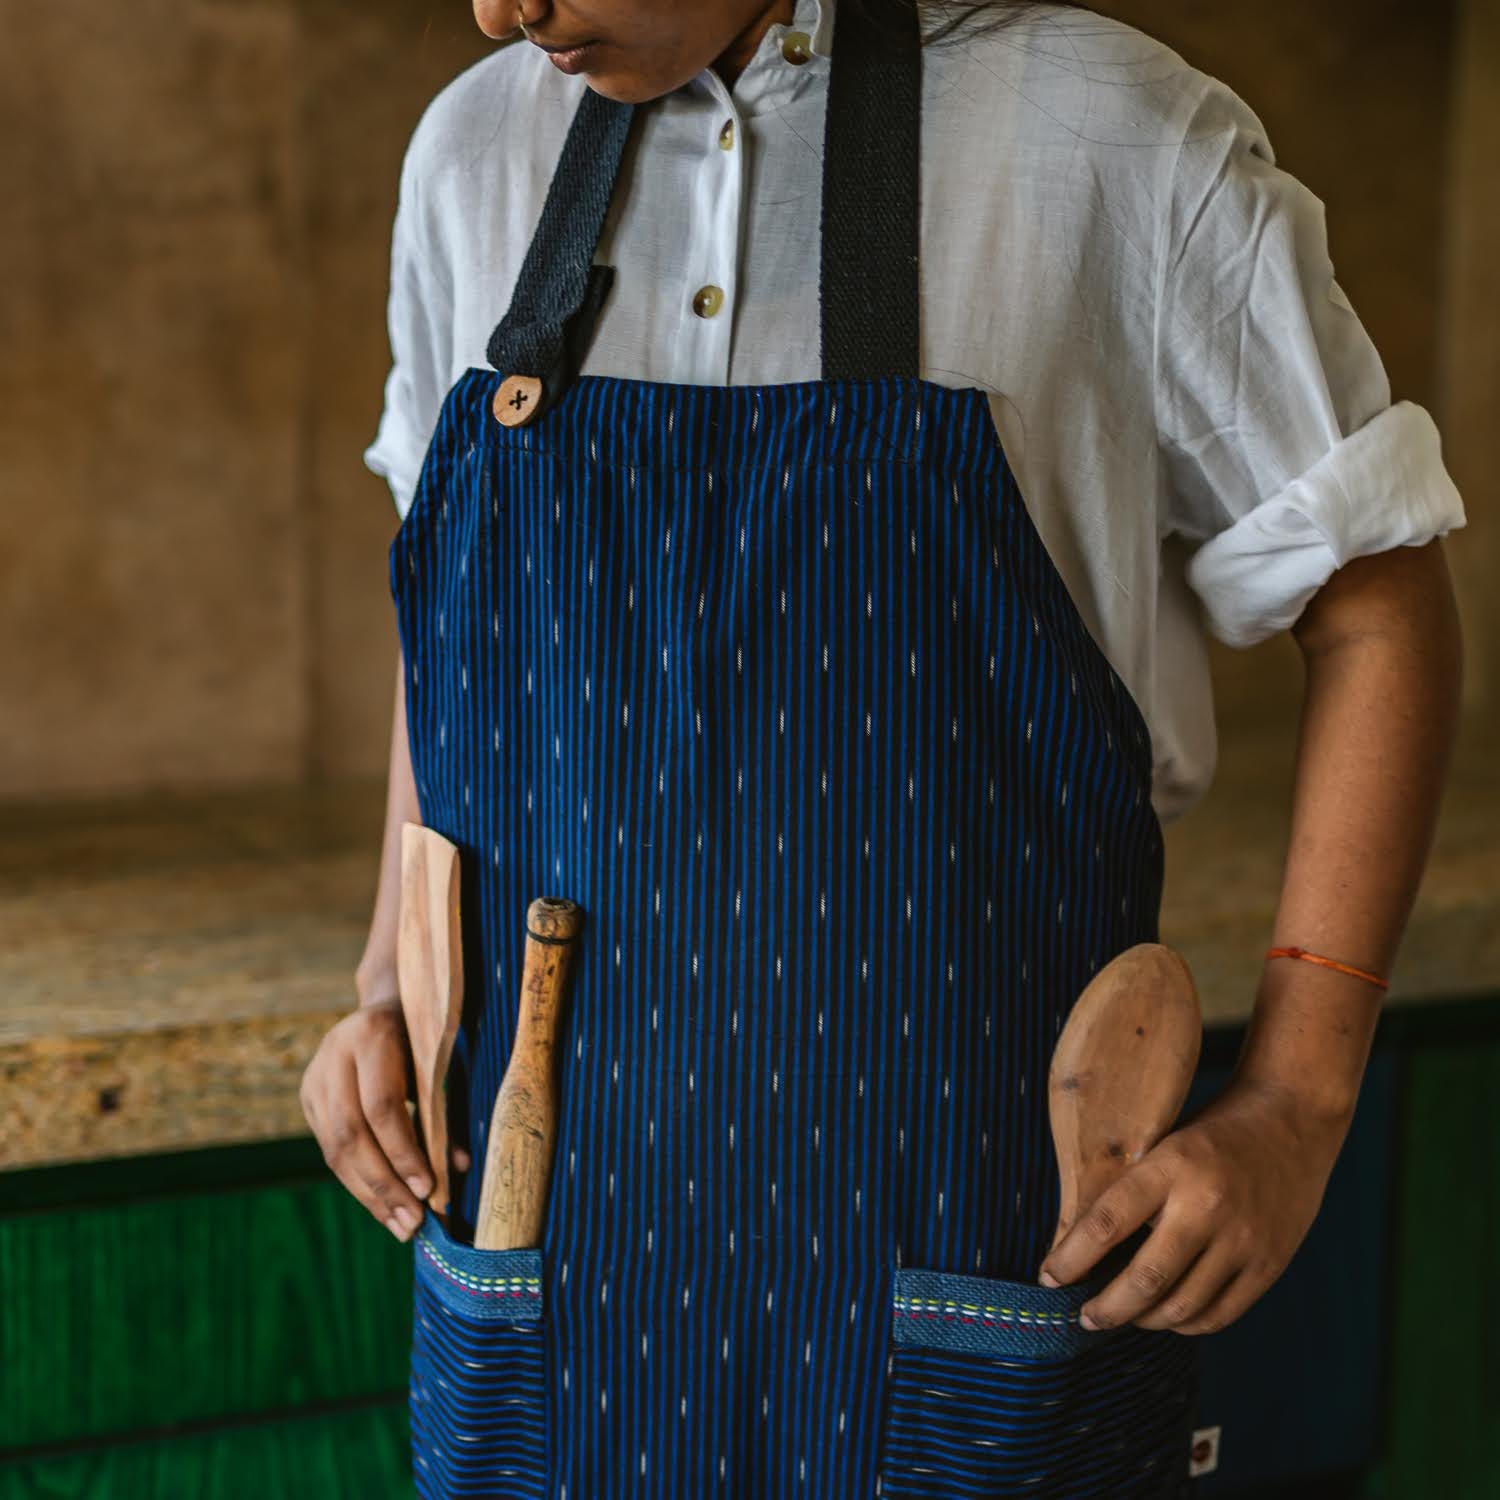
<point x="960" y="18"/>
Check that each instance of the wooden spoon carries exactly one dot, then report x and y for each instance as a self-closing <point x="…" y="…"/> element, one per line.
<point x="1121" y="1071"/>
<point x="429" y="967"/>
<point x="523" y="1127"/>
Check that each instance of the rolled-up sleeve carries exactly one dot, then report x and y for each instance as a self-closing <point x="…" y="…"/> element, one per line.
<point x="1283" y="455"/>
<point x="419" y="321"/>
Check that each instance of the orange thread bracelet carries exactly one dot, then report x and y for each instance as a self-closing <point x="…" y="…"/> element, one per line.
<point x="1330" y="963"/>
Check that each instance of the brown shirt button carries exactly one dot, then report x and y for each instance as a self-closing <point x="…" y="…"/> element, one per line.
<point x="726" y="136"/>
<point x="796" y="47"/>
<point x="517" y="400"/>
<point x="707" y="300"/>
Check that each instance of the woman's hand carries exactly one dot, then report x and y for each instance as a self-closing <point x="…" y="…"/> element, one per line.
<point x="355" y="1089"/>
<point x="354" y="1095"/>
<point x="1230" y="1197"/>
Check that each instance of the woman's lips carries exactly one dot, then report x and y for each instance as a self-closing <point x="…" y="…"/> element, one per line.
<point x="568" y="59"/>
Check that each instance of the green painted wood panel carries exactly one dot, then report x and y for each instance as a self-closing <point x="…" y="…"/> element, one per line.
<point x="1443" y="1438"/>
<point x="166" y="1301"/>
<point x="140" y="1314"/>
<point x="357" y="1455"/>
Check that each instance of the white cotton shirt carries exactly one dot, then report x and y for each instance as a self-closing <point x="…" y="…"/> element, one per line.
<point x="1199" y="424"/>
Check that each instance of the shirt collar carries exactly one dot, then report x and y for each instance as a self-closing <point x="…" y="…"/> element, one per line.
<point x="815" y="17"/>
<point x="767" y="80"/>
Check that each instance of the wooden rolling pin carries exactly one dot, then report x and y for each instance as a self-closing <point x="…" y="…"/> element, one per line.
<point x="523" y="1127"/>
<point x="1121" y="1071"/>
<point x="430" y="972"/>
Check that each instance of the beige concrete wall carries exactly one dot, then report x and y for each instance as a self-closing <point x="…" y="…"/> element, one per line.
<point x="1469" y="356"/>
<point x="192" y="344"/>
<point x="154" y="577"/>
<point x="192" y="268"/>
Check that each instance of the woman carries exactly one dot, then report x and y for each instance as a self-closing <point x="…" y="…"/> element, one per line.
<point x="817" y="600"/>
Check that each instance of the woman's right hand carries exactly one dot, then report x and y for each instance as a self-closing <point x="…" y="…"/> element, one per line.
<point x="354" y="1095"/>
<point x="355" y="1089"/>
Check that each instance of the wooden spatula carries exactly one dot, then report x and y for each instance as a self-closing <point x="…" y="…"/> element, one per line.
<point x="1121" y="1070"/>
<point x="429" y="967"/>
<point x="523" y="1127"/>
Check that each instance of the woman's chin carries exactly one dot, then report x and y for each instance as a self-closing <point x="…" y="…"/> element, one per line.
<point x="603" y="65"/>
<point x="627" y="87"/>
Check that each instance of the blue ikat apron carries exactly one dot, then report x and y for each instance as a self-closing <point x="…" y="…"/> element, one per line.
<point x="779" y="684"/>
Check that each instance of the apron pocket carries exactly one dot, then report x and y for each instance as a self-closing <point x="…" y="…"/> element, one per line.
<point x="478" y="1390"/>
<point x="994" y="1388"/>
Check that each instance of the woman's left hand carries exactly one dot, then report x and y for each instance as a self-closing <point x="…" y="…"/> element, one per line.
<point x="1229" y="1196"/>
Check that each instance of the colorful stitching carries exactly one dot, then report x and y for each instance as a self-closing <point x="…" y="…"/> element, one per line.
<point x="515" y="1286"/>
<point x="966" y="1312"/>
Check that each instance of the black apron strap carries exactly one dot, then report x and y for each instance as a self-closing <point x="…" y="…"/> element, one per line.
<point x="869" y="232"/>
<point x="540" y="342"/>
<point x="871" y="171"/>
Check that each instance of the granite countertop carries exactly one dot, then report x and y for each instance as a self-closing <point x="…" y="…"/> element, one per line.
<point x="168" y="965"/>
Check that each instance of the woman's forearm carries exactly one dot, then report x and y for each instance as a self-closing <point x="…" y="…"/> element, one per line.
<point x="375" y="977"/>
<point x="1383" y="653"/>
<point x="1230" y="1194"/>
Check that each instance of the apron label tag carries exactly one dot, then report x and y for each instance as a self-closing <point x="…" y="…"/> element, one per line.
<point x="1203" y="1457"/>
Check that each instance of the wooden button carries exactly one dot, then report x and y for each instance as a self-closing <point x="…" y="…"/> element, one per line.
<point x="518" y="400"/>
<point x="707" y="300"/>
<point x="726" y="136"/>
<point x="796" y="47"/>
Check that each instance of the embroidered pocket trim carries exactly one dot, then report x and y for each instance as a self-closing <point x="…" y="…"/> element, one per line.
<point x="500" y="1286"/>
<point x="1006" y="1319"/>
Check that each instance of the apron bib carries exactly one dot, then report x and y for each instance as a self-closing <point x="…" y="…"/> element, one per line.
<point x="780" y="685"/>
